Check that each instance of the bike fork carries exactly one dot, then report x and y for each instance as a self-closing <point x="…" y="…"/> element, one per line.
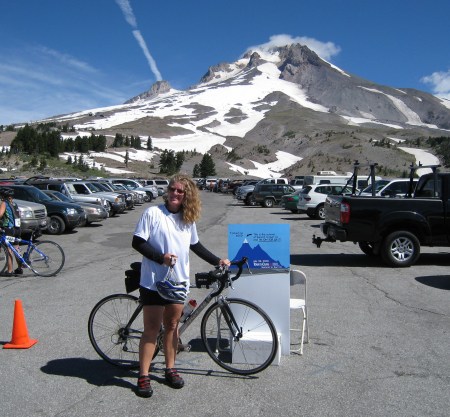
<point x="233" y="327"/>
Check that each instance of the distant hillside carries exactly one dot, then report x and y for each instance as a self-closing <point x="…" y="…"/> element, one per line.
<point x="284" y="100"/>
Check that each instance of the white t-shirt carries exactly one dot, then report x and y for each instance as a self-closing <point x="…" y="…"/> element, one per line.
<point x="167" y="233"/>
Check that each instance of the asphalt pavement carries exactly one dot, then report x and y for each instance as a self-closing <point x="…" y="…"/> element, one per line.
<point x="379" y="337"/>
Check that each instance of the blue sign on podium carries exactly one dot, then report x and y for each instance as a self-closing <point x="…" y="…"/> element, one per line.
<point x="267" y="246"/>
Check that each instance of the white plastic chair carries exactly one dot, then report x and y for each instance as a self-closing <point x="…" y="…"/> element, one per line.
<point x="298" y="304"/>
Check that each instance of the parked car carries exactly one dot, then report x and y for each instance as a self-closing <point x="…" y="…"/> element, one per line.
<point x="128" y="195"/>
<point x="274" y="181"/>
<point x="233" y="185"/>
<point x="210" y="183"/>
<point x="393" y="229"/>
<point x="289" y="201"/>
<point x="270" y="194"/>
<point x="312" y="198"/>
<point x="66" y="188"/>
<point x="94" y="212"/>
<point x="296" y="183"/>
<point x="160" y="184"/>
<point x="150" y="190"/>
<point x="33" y="218"/>
<point x="390" y="188"/>
<point x="141" y="196"/>
<point x="115" y="201"/>
<point x="62" y="216"/>
<point x="244" y="193"/>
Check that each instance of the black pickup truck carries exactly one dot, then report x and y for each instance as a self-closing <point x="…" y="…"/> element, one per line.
<point x="393" y="228"/>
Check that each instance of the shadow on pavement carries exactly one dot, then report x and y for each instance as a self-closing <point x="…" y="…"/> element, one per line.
<point x="441" y="282"/>
<point x="95" y="372"/>
<point x="337" y="259"/>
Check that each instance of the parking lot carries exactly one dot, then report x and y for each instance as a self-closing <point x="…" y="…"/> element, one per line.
<point x="379" y="337"/>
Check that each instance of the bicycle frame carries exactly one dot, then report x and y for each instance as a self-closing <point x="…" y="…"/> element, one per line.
<point x="214" y="293"/>
<point x="6" y="240"/>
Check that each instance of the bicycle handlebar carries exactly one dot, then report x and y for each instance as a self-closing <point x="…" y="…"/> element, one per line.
<point x="221" y="274"/>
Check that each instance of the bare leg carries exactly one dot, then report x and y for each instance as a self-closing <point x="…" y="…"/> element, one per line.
<point x="172" y="315"/>
<point x="152" y="323"/>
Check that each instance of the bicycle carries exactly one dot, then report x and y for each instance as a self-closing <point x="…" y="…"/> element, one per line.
<point x="237" y="334"/>
<point x="44" y="258"/>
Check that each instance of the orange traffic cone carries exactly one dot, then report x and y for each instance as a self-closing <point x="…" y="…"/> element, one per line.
<point x="20" y="338"/>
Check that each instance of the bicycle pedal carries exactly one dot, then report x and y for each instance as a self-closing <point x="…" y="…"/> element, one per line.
<point x="184" y="348"/>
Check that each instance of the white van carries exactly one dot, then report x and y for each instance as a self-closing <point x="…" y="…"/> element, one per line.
<point x="326" y="179"/>
<point x="274" y="181"/>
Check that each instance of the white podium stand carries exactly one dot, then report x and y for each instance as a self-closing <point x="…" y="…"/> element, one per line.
<point x="271" y="292"/>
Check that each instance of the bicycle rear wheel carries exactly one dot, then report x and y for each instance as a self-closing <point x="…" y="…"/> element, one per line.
<point x="46" y="258"/>
<point x="114" y="337"/>
<point x="246" y="350"/>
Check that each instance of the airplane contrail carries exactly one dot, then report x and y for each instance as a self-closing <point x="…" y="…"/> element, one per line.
<point x="127" y="11"/>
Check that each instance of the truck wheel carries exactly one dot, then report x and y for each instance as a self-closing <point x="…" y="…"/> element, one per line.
<point x="320" y="212"/>
<point x="400" y="249"/>
<point x="367" y="248"/>
<point x="269" y="203"/>
<point x="56" y="225"/>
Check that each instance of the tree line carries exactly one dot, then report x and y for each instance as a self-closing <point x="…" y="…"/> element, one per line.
<point x="45" y="139"/>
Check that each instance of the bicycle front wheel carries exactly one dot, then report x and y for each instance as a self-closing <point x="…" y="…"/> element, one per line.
<point x="239" y="336"/>
<point x="115" y="328"/>
<point x="46" y="258"/>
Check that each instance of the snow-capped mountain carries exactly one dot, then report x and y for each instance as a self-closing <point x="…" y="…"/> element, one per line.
<point x="285" y="107"/>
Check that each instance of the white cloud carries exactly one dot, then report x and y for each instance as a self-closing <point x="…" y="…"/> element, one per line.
<point x="129" y="16"/>
<point x="54" y="83"/>
<point x="67" y="60"/>
<point x="325" y="50"/>
<point x="150" y="60"/>
<point x="127" y="11"/>
<point x="440" y="83"/>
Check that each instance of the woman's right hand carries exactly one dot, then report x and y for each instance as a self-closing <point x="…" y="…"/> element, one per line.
<point x="170" y="259"/>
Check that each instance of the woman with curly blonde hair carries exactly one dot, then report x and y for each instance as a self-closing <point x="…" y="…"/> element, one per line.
<point x="164" y="235"/>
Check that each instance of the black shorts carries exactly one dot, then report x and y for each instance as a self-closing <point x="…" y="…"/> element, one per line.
<point x="152" y="298"/>
<point x="12" y="231"/>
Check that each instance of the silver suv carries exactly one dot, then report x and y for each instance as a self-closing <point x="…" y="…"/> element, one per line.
<point x="116" y="202"/>
<point x="245" y="192"/>
<point x="160" y="184"/>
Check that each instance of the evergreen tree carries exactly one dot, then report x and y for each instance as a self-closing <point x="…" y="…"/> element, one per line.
<point x="127" y="158"/>
<point x="207" y="166"/>
<point x="43" y="163"/>
<point x="179" y="159"/>
<point x="167" y="162"/>
<point x="149" y="144"/>
<point x="196" y="172"/>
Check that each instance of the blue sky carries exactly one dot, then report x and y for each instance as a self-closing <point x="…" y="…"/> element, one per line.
<point x="60" y="56"/>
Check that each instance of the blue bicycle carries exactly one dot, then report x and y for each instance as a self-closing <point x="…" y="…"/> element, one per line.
<point x="44" y="258"/>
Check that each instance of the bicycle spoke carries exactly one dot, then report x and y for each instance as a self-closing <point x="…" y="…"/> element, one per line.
<point x="46" y="258"/>
<point x="246" y="349"/>
<point x="108" y="331"/>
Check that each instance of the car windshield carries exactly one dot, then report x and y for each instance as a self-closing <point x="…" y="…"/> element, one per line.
<point x="101" y="187"/>
<point x="61" y="197"/>
<point x="93" y="187"/>
<point x="38" y="195"/>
